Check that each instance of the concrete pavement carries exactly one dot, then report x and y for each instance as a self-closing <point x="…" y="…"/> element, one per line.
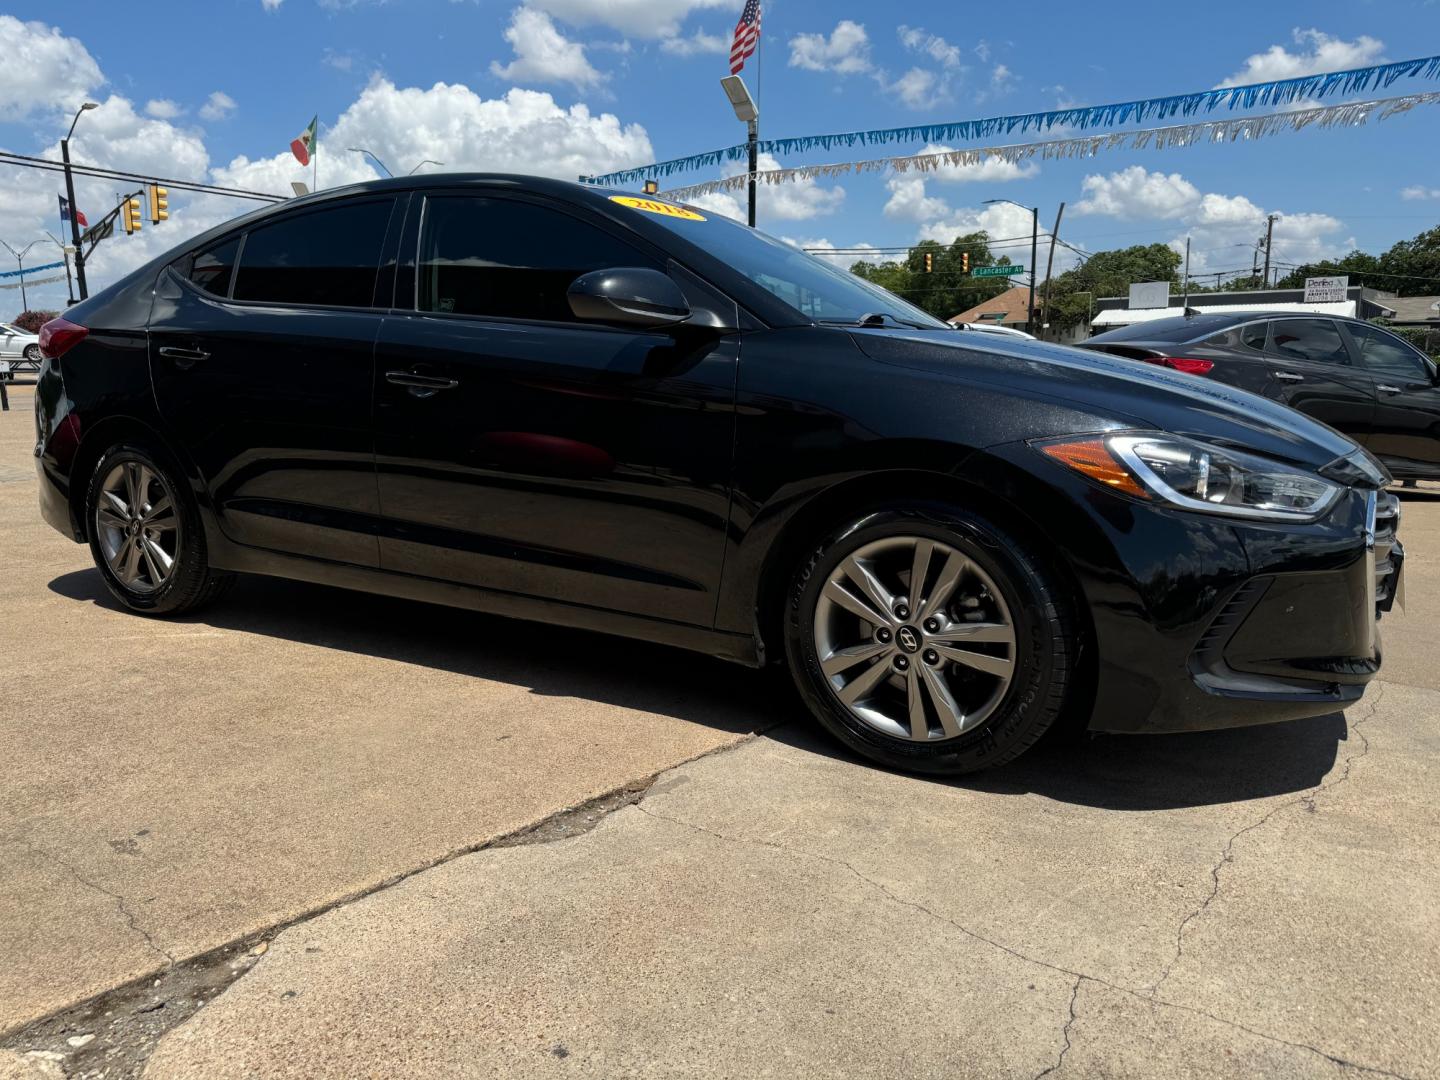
<point x="1251" y="902"/>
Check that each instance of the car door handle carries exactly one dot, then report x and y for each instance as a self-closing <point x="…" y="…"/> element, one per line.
<point x="421" y="382"/>
<point x="1289" y="376"/>
<point x="1384" y="389"/>
<point x="184" y="358"/>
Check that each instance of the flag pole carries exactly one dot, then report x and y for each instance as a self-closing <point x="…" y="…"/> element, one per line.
<point x="315" y="159"/>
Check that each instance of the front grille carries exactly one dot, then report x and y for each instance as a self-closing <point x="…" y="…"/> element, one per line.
<point x="1389" y="554"/>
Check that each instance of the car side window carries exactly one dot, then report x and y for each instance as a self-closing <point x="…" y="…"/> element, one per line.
<point x="213" y="268"/>
<point x="1315" y="340"/>
<point x="326" y="257"/>
<point x="1253" y="336"/>
<point x="1385" y="354"/>
<point x="509" y="259"/>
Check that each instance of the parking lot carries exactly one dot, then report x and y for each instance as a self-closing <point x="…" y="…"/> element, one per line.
<point x="292" y="836"/>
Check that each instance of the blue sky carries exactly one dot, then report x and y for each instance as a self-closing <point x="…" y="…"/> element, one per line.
<point x="217" y="90"/>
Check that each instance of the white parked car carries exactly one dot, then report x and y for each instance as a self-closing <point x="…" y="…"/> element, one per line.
<point x="21" y="348"/>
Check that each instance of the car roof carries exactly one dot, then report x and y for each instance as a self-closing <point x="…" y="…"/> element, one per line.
<point x="1187" y="328"/>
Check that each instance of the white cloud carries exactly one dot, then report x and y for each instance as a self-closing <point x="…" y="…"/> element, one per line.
<point x="937" y="48"/>
<point x="919" y="88"/>
<point x="271" y="5"/>
<point x="217" y="106"/>
<point x="796" y="201"/>
<point x="543" y="54"/>
<point x="649" y="19"/>
<point x="162" y="109"/>
<point x="909" y="201"/>
<point x="846" y="51"/>
<point x="1316" y="52"/>
<point x="1418" y="191"/>
<point x="722" y="203"/>
<point x="1223" y="229"/>
<point x="696" y="44"/>
<point x="1135" y="193"/>
<point x="43" y="70"/>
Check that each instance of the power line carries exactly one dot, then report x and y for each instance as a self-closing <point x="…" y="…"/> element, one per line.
<point x="99" y="172"/>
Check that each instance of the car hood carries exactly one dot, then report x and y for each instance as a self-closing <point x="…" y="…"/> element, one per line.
<point x="1134" y="394"/>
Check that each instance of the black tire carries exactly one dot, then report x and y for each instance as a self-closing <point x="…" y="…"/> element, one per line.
<point x="191" y="583"/>
<point x="1045" y="654"/>
<point x="32" y="354"/>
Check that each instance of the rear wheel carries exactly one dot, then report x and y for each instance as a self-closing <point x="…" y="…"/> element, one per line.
<point x="146" y="536"/>
<point x="32" y="354"/>
<point x="931" y="639"/>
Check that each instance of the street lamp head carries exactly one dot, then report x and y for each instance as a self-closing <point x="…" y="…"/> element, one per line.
<point x="88" y="105"/>
<point x="740" y="99"/>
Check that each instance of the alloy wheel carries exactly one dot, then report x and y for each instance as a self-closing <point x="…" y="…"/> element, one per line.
<point x="914" y="639"/>
<point x="137" y="526"/>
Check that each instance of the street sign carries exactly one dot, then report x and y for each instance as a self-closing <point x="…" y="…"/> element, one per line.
<point x="997" y="271"/>
<point x="1149" y="294"/>
<point x="1326" y="290"/>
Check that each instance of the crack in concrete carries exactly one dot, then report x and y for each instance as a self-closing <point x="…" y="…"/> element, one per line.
<point x="131" y="920"/>
<point x="1227" y="853"/>
<point x="1065" y="1032"/>
<point x="1078" y="976"/>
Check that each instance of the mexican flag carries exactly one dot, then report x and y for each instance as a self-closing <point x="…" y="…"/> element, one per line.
<point x="304" y="146"/>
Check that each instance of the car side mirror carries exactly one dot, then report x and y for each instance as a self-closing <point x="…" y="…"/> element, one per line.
<point x="631" y="295"/>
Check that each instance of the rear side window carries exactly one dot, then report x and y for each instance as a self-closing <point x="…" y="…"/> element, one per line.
<point x="212" y="268"/>
<point x="1315" y="340"/>
<point x="509" y="259"/>
<point x="1385" y="354"/>
<point x="327" y="257"/>
<point x="1253" y="336"/>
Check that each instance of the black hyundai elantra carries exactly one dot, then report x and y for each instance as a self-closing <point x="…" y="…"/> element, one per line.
<point x="618" y="413"/>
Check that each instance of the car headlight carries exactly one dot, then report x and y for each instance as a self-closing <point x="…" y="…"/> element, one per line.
<point x="1196" y="476"/>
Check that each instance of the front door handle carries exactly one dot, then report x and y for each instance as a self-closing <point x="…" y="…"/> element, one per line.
<point x="1289" y="376"/>
<point x="184" y="358"/>
<point x="1384" y="389"/>
<point x="417" y="381"/>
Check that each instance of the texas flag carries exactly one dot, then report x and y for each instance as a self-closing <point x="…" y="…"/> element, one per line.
<point x="304" y="146"/>
<point x="65" y="212"/>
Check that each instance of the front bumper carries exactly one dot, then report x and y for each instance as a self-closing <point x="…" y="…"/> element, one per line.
<point x="1291" y="632"/>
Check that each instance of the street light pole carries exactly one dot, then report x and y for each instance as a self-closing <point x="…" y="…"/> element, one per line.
<point x="65" y="254"/>
<point x="74" y="207"/>
<point x="748" y="113"/>
<point x="1034" y="249"/>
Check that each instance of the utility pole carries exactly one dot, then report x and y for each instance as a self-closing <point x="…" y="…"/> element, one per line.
<point x="1050" y="262"/>
<point x="74" y="207"/>
<point x="1185" y="293"/>
<point x="65" y="253"/>
<point x="1269" y="235"/>
<point x="748" y="113"/>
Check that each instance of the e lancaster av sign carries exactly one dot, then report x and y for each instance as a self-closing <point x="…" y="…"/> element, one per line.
<point x="1326" y="290"/>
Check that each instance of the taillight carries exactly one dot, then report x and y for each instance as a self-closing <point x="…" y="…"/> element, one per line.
<point x="59" y="336"/>
<point x="1190" y="365"/>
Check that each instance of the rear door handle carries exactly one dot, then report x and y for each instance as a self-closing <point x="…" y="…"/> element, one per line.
<point x="1289" y="376"/>
<point x="184" y="358"/>
<point x="421" y="382"/>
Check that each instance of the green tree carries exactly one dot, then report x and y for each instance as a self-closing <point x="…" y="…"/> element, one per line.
<point x="1109" y="273"/>
<point x="946" y="289"/>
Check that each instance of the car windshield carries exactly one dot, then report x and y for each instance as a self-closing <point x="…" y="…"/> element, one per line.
<point x="811" y="286"/>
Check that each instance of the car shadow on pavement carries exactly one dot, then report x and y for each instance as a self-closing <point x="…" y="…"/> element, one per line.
<point x="1113" y="772"/>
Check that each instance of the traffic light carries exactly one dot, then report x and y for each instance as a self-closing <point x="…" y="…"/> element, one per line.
<point x="130" y="215"/>
<point x="965" y="262"/>
<point x="159" y="204"/>
<point x="929" y="261"/>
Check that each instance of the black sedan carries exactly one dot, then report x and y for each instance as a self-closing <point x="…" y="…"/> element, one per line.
<point x="616" y="413"/>
<point x="1358" y="378"/>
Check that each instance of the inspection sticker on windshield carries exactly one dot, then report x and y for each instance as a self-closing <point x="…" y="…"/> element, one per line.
<point x="651" y="206"/>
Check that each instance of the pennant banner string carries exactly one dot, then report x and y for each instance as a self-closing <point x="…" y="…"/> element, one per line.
<point x="1277" y="92"/>
<point x="1238" y="129"/>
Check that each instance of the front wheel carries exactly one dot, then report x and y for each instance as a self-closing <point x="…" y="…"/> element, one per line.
<point x="146" y="536"/>
<point x="32" y="355"/>
<point x="931" y="639"/>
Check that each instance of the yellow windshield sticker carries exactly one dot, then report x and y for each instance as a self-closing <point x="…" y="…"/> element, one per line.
<point x="653" y="206"/>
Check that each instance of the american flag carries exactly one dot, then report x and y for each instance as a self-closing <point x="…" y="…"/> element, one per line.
<point x="747" y="36"/>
